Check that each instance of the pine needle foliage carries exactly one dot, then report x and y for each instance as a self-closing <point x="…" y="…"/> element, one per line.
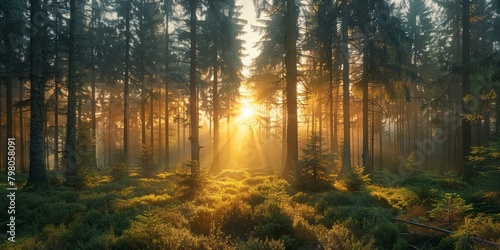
<point x="119" y="169"/>
<point x="450" y="210"/>
<point x="354" y="181"/>
<point x="146" y="161"/>
<point x="312" y="173"/>
<point x="191" y="182"/>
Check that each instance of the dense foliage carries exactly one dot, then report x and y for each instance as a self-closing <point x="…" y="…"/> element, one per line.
<point x="240" y="209"/>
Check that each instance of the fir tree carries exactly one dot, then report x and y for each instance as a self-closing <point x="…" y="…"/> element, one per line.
<point x="312" y="172"/>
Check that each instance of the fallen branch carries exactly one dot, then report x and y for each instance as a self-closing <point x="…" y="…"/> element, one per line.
<point x="424" y="226"/>
<point x="490" y="243"/>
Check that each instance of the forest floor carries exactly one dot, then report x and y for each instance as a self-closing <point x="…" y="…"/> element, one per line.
<point x="253" y="209"/>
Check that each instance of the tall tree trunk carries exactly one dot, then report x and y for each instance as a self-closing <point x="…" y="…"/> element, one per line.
<point x="110" y="153"/>
<point x="93" y="90"/>
<point x="10" y="51"/>
<point x="184" y="114"/>
<point x="215" y="169"/>
<point x="333" y="147"/>
<point x="46" y="136"/>
<point x="335" y="120"/>
<point x="228" y="129"/>
<point x="320" y="124"/>
<point x="22" y="165"/>
<point x="142" y="76"/>
<point x="143" y="111"/>
<point x="179" y="127"/>
<point x="466" y="125"/>
<point x="126" y="83"/>
<point x="10" y="114"/>
<point x="56" y="96"/>
<point x="497" y="110"/>
<point x="159" y="156"/>
<point x="346" y="151"/>
<point x="167" y="88"/>
<point x="151" y="124"/>
<point x="381" y="142"/>
<point x="283" y="134"/>
<point x="37" y="175"/>
<point x="372" y="138"/>
<point x="193" y="91"/>
<point x="72" y="176"/>
<point x="364" y="84"/>
<point x="291" y="89"/>
<point x="487" y="125"/>
<point x="2" y="152"/>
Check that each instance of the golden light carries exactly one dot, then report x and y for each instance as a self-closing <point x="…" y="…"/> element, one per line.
<point x="247" y="111"/>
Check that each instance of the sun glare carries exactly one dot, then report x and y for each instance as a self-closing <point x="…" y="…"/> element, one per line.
<point x="247" y="111"/>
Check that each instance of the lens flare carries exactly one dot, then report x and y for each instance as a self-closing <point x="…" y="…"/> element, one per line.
<point x="247" y="112"/>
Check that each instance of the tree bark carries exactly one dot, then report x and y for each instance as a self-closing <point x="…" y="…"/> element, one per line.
<point x="72" y="175"/>
<point x="292" y="157"/>
<point x="22" y="165"/>
<point x="167" y="87"/>
<point x="215" y="169"/>
<point x="193" y="91"/>
<point x="364" y="84"/>
<point x="93" y="91"/>
<point x="10" y="114"/>
<point x="228" y="129"/>
<point x="126" y="83"/>
<point x="37" y="175"/>
<point x="143" y="111"/>
<point x="346" y="152"/>
<point x="56" y="96"/>
<point x="10" y="51"/>
<point x="142" y="76"/>
<point x="466" y="124"/>
<point x="151" y="121"/>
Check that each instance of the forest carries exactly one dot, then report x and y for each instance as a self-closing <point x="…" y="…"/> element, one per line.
<point x="238" y="124"/>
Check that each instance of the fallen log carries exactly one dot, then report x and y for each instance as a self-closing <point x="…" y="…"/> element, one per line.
<point x="490" y="243"/>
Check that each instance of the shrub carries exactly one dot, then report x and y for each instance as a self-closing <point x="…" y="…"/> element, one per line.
<point x="106" y="240"/>
<point x="272" y="221"/>
<point x="354" y="181"/>
<point x="339" y="237"/>
<point x="424" y="186"/>
<point x="151" y="230"/>
<point x="254" y="198"/>
<point x="258" y="244"/>
<point x="399" y="198"/>
<point x="21" y="243"/>
<point x="337" y="198"/>
<point x="255" y="180"/>
<point x="386" y="235"/>
<point x="301" y="197"/>
<point x="306" y="234"/>
<point x="202" y="220"/>
<point x="237" y="175"/>
<point x="102" y="201"/>
<point x="482" y="227"/>
<point x="234" y="218"/>
<point x="55" y="237"/>
<point x="274" y="189"/>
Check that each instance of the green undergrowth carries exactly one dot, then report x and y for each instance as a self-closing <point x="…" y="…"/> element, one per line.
<point x="240" y="209"/>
